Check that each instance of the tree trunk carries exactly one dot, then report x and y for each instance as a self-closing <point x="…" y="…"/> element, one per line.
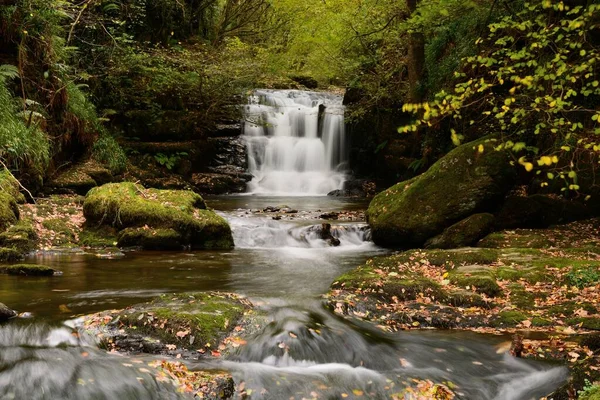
<point x="416" y="60"/>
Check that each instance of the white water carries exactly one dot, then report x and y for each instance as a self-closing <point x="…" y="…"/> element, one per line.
<point x="293" y="149"/>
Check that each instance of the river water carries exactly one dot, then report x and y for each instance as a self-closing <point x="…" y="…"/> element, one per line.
<point x="305" y="352"/>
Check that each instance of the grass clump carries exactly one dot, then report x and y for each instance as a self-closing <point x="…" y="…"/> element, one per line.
<point x="107" y="151"/>
<point x="21" y="145"/>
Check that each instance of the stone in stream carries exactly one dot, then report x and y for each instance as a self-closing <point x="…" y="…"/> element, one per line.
<point x="190" y="324"/>
<point x="148" y="217"/>
<point x="28" y="270"/>
<point x="472" y="178"/>
<point x="6" y="313"/>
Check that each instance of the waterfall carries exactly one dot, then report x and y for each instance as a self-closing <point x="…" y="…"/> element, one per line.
<point x="296" y="142"/>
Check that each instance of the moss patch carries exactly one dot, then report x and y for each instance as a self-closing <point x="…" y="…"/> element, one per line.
<point x="473" y="288"/>
<point x="127" y="205"/>
<point x="27" y="270"/>
<point x="10" y="186"/>
<point x="98" y="237"/>
<point x="151" y="239"/>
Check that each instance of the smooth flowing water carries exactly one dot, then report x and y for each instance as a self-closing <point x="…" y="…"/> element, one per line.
<point x="282" y="266"/>
<point x="296" y="142"/>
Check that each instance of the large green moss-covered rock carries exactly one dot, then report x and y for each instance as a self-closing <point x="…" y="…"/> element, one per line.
<point x="464" y="233"/>
<point x="128" y="205"/>
<point x="465" y="181"/>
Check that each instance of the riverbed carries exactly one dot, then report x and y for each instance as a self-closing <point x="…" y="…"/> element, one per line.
<point x="284" y="269"/>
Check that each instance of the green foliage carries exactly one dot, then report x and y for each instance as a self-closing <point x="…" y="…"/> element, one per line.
<point x="169" y="160"/>
<point x="589" y="391"/>
<point x="22" y="143"/>
<point x="583" y="277"/>
<point x="534" y="83"/>
<point x="107" y="151"/>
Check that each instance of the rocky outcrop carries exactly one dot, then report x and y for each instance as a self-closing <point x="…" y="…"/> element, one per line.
<point x="355" y="188"/>
<point x="464" y="233"/>
<point x="179" y="214"/>
<point x="470" y="179"/>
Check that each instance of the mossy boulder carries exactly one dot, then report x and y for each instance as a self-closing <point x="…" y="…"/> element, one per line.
<point x="6" y="313"/>
<point x="463" y="182"/>
<point x="193" y="321"/>
<point x="150" y="239"/>
<point x="20" y="236"/>
<point x="9" y="211"/>
<point x="27" y="270"/>
<point x="128" y="205"/>
<point x="464" y="233"/>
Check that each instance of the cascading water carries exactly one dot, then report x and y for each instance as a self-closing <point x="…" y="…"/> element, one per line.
<point x="296" y="142"/>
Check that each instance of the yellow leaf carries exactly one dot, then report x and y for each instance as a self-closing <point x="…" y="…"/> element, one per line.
<point x="480" y="148"/>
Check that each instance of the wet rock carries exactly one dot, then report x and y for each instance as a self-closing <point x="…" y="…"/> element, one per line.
<point x="271" y="209"/>
<point x="214" y="183"/>
<point x="127" y="205"/>
<point x="464" y="233"/>
<point x="464" y="181"/>
<point x="6" y="313"/>
<point x="231" y="129"/>
<point x="327" y="236"/>
<point x="355" y="188"/>
<point x="189" y="323"/>
<point x="329" y="215"/>
<point x="230" y="152"/>
<point x="306" y="81"/>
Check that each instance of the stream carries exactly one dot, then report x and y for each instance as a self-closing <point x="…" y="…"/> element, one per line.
<point x="296" y="146"/>
<point x="278" y="265"/>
